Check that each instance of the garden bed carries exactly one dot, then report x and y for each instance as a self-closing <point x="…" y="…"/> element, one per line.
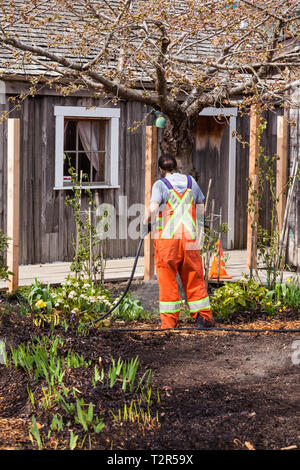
<point x="209" y="390"/>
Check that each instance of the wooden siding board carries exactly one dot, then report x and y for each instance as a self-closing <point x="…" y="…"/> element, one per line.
<point x="2" y="172"/>
<point x="293" y="252"/>
<point x="39" y="137"/>
<point x="241" y="192"/>
<point x="209" y="163"/>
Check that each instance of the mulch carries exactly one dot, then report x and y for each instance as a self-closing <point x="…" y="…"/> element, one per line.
<point x="217" y="390"/>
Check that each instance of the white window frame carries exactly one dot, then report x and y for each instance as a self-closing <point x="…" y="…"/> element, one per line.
<point x="113" y="116"/>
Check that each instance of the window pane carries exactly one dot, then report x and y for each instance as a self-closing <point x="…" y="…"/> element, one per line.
<point x="70" y="134"/>
<point x="85" y="145"/>
<point x="99" y="133"/>
<point x="100" y="174"/>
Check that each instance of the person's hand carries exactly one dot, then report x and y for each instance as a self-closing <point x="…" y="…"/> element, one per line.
<point x="146" y="228"/>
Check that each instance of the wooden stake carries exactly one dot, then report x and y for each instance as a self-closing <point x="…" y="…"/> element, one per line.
<point x="219" y="260"/>
<point x="150" y="177"/>
<point x="281" y="167"/>
<point x="211" y="224"/>
<point x="207" y="196"/>
<point x="254" y="234"/>
<point x="253" y="170"/>
<point x="13" y="201"/>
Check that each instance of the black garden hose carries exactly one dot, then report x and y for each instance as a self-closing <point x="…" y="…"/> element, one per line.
<point x="175" y="330"/>
<point x="126" y="288"/>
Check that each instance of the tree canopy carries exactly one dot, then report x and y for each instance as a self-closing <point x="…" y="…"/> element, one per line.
<point x="178" y="56"/>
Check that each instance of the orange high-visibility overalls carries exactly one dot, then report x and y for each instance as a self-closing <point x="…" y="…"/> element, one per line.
<point x="177" y="250"/>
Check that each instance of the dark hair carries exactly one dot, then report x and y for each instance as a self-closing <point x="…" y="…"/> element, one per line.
<point x="167" y="162"/>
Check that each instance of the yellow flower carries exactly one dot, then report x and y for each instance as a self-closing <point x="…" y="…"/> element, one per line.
<point x="268" y="303"/>
<point x="284" y="308"/>
<point x="289" y="280"/>
<point x="280" y="310"/>
<point x="40" y="304"/>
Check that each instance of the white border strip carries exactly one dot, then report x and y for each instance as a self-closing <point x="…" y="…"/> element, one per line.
<point x="74" y="111"/>
<point x="217" y="111"/>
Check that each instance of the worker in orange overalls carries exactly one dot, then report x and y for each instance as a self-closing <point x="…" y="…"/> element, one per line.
<point x="173" y="201"/>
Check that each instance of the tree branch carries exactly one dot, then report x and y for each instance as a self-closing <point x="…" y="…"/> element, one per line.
<point x="116" y="88"/>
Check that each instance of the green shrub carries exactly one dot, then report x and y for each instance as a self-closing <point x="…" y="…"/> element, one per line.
<point x="236" y="297"/>
<point x="285" y="294"/>
<point x="244" y="295"/>
<point x="74" y="298"/>
<point x="40" y="297"/>
<point x="130" y="309"/>
<point x="79" y="299"/>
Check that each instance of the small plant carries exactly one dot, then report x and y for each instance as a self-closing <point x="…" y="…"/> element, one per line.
<point x="47" y="400"/>
<point x="3" y="353"/>
<point x="129" y="309"/>
<point x="40" y="297"/>
<point x="269" y="307"/>
<point x="135" y="413"/>
<point x="34" y="433"/>
<point x="124" y="372"/>
<point x="4" y="273"/>
<point x="85" y="417"/>
<point x="98" y="377"/>
<point x="73" y="441"/>
<point x="68" y="407"/>
<point x="57" y="423"/>
<point x="129" y="373"/>
<point x="31" y="396"/>
<point x="286" y="294"/>
<point x="268" y="239"/>
<point x="88" y="247"/>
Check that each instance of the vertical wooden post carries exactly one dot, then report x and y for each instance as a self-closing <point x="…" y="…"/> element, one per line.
<point x="281" y="167"/>
<point x="150" y="176"/>
<point x="13" y="201"/>
<point x="253" y="170"/>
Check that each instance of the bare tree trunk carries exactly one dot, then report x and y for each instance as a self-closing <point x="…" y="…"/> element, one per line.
<point x="178" y="139"/>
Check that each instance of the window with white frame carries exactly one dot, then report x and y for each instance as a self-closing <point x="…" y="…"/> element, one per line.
<point x="88" y="140"/>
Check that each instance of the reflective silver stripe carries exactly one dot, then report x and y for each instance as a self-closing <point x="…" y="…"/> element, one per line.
<point x="199" y="305"/>
<point x="169" y="306"/>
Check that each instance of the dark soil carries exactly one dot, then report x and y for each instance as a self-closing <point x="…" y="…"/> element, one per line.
<point x="217" y="390"/>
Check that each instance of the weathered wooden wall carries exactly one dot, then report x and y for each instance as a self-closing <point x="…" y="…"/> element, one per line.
<point x="47" y="224"/>
<point x="211" y="164"/>
<point x="269" y="143"/>
<point x="293" y="253"/>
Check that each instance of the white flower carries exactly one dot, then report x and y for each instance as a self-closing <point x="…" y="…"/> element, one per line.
<point x="72" y="294"/>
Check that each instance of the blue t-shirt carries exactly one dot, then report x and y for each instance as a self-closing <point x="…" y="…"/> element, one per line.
<point x="160" y="192"/>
